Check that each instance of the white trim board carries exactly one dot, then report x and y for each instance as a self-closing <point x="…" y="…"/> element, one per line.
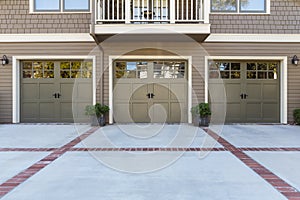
<point x="276" y="38"/>
<point x="61" y="37"/>
<point x="283" y="78"/>
<point x="16" y="78"/>
<point x="114" y="57"/>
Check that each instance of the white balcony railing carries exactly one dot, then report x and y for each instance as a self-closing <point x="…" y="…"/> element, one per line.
<point x="150" y="11"/>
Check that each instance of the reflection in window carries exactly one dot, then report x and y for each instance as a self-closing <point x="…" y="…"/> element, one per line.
<point x="262" y="70"/>
<point x="167" y="69"/>
<point x="224" y="5"/>
<point x="61" y="5"/>
<point x="131" y="69"/>
<point x="252" y="5"/>
<point x="238" y="6"/>
<point x="224" y="70"/>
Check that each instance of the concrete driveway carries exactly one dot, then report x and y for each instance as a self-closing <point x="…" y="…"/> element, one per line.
<point x="46" y="162"/>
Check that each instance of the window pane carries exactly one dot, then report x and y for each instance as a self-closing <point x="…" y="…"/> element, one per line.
<point x="76" y="5"/>
<point x="224" y="5"/>
<point x="253" y="5"/>
<point x="52" y="5"/>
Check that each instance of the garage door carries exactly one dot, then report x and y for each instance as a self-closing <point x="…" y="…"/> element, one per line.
<point x="55" y="91"/>
<point x="252" y="90"/>
<point x="150" y="91"/>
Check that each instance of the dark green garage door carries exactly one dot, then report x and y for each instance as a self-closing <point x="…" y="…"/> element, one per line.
<point x="55" y="91"/>
<point x="252" y="90"/>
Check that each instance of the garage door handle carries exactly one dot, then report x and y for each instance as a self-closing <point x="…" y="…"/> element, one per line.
<point x="58" y="95"/>
<point x="55" y="95"/>
<point x="243" y="96"/>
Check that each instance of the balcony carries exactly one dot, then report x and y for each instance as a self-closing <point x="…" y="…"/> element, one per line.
<point x="162" y="16"/>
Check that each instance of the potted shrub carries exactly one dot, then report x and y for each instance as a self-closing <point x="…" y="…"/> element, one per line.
<point x="97" y="113"/>
<point x="201" y="113"/>
<point x="297" y="116"/>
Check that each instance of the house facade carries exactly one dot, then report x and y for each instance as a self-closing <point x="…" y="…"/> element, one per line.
<point x="149" y="60"/>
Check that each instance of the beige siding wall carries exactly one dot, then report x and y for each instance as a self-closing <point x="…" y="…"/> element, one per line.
<point x="15" y="18"/>
<point x="18" y="49"/>
<point x="284" y="18"/>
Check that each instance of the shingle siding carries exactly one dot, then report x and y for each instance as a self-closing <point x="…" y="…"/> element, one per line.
<point x="283" y="19"/>
<point x="16" y="19"/>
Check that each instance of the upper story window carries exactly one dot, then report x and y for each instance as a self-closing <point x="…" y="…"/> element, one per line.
<point x="239" y="6"/>
<point x="61" y="5"/>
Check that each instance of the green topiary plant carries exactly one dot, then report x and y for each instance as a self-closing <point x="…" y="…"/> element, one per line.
<point x="97" y="113"/>
<point x="201" y="109"/>
<point x="201" y="113"/>
<point x="297" y="116"/>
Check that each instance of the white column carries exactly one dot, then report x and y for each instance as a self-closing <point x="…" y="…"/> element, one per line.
<point x="127" y="12"/>
<point x="206" y="10"/>
<point x="172" y="11"/>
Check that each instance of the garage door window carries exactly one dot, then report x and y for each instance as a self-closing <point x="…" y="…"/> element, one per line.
<point x="262" y="70"/>
<point x="76" y="69"/>
<point x="167" y="69"/>
<point x="38" y="69"/>
<point x="224" y="70"/>
<point x="130" y="69"/>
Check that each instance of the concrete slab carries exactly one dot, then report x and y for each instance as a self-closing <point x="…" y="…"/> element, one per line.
<point x="77" y="176"/>
<point x="262" y="135"/>
<point x="286" y="165"/>
<point x="38" y="136"/>
<point x="12" y="163"/>
<point x="155" y="135"/>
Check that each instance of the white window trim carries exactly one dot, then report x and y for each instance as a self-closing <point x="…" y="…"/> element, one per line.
<point x="283" y="78"/>
<point x="16" y="74"/>
<point x="111" y="79"/>
<point x="32" y="11"/>
<point x="268" y="11"/>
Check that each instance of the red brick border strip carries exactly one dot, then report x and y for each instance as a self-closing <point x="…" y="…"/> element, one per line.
<point x="153" y="149"/>
<point x="279" y="184"/>
<point x="149" y="149"/>
<point x="13" y="182"/>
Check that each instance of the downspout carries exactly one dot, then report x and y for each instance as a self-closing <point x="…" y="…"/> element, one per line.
<point x="92" y="33"/>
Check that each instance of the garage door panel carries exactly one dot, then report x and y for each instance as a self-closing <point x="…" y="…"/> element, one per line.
<point x="122" y="91"/>
<point x="140" y="112"/>
<point x="30" y="111"/>
<point x="254" y="112"/>
<point x="29" y="91"/>
<point x="177" y="113"/>
<point x="254" y="91"/>
<point x="46" y="90"/>
<point x="159" y="112"/>
<point x="66" y="110"/>
<point x="122" y="112"/>
<point x="234" y="112"/>
<point x="233" y="92"/>
<point x="270" y="92"/>
<point x="82" y="91"/>
<point x="139" y="92"/>
<point x="66" y="90"/>
<point x="217" y="93"/>
<point x="47" y="110"/>
<point x="178" y="91"/>
<point x="161" y="91"/>
<point x="269" y="113"/>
